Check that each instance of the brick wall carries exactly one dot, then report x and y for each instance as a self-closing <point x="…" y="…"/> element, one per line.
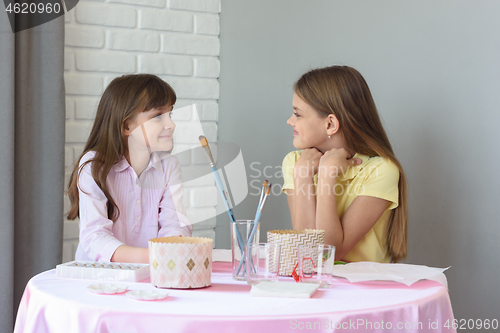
<point x="174" y="39"/>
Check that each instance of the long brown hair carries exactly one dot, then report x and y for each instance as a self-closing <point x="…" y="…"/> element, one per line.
<point x="122" y="100"/>
<point x="343" y="92"/>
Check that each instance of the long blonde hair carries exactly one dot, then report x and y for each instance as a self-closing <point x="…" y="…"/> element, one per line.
<point x="122" y="100"/>
<point x="343" y="92"/>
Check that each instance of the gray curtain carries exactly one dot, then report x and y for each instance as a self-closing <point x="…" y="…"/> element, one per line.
<point x="32" y="123"/>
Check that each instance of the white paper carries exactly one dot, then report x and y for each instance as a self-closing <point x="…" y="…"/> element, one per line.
<point x="221" y="255"/>
<point x="284" y="289"/>
<point x="404" y="273"/>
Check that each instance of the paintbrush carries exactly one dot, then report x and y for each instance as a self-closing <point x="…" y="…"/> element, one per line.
<point x="263" y="198"/>
<point x="225" y="199"/>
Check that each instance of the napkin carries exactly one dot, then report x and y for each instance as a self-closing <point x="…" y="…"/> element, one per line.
<point x="404" y="273"/>
<point x="221" y="255"/>
<point x="284" y="289"/>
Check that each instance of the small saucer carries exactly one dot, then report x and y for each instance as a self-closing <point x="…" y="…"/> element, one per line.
<point x="147" y="295"/>
<point x="108" y="288"/>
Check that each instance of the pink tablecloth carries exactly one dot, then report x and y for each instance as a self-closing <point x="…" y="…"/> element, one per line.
<point x="52" y="304"/>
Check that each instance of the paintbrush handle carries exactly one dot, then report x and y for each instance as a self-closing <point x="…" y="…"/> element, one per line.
<point x="254" y="230"/>
<point x="252" y="235"/>
<point x="218" y="181"/>
<point x="223" y="195"/>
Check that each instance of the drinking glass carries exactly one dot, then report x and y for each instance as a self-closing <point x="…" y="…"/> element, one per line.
<point x="241" y="231"/>
<point x="262" y="262"/>
<point x="316" y="264"/>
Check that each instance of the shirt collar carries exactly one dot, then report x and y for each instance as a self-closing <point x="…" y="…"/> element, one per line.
<point x="121" y="165"/>
<point x="351" y="172"/>
<point x="156" y="159"/>
<point x="154" y="162"/>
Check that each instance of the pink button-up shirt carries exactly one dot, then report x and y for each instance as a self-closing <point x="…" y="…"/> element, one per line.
<point x="150" y="206"/>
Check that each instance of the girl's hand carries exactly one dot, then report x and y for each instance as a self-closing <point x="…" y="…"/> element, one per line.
<point x="335" y="162"/>
<point x="308" y="163"/>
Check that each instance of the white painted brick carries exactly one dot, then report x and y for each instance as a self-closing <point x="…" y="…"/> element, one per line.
<point x="68" y="17"/>
<point x="207" y="24"/>
<point x="67" y="176"/>
<point x="185" y="199"/>
<point x="86" y="108"/>
<point x="181" y="114"/>
<point x="182" y="153"/>
<point x="207" y="233"/>
<point x="195" y="88"/>
<point x="207" y="112"/>
<point x="134" y="41"/>
<point x="69" y="250"/>
<point x="109" y="78"/>
<point x="68" y="156"/>
<point x="69" y="60"/>
<point x="173" y="21"/>
<point x="187" y="132"/>
<point x="184" y="159"/>
<point x="175" y="60"/>
<point x="193" y="173"/>
<point x="210" y="131"/>
<point x="198" y="156"/>
<point x="195" y="45"/>
<point x="70" y="229"/>
<point x="78" y="132"/>
<point x="178" y="148"/>
<point x="105" y="62"/>
<point x="70" y="108"/>
<point x="83" y="84"/>
<point x="211" y="6"/>
<point x="78" y="150"/>
<point x="83" y="37"/>
<point x="200" y="214"/>
<point x="180" y="103"/>
<point x="204" y="197"/>
<point x="207" y="224"/>
<point x="166" y="65"/>
<point x="150" y="3"/>
<point x="66" y="181"/>
<point x="99" y="14"/>
<point x="207" y="67"/>
<point x="67" y="203"/>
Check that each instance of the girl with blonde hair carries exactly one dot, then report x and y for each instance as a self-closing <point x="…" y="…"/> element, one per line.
<point x="345" y="178"/>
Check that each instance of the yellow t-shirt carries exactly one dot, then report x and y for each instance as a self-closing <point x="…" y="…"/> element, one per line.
<point x="376" y="177"/>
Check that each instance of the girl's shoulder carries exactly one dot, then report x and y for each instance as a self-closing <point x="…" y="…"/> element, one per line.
<point x="291" y="158"/>
<point x="379" y="164"/>
<point x="87" y="157"/>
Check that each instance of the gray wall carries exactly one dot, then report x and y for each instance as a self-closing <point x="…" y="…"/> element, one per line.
<point x="434" y="70"/>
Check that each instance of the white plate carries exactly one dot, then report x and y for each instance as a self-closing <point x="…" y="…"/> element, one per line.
<point x="147" y="295"/>
<point x="108" y="288"/>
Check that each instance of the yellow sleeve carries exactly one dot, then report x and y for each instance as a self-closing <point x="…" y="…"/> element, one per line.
<point x="287" y="169"/>
<point x="382" y="181"/>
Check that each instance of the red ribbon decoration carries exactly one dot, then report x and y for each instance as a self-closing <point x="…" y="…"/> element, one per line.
<point x="298" y="277"/>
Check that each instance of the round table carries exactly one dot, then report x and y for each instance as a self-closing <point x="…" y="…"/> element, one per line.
<point x="52" y="304"/>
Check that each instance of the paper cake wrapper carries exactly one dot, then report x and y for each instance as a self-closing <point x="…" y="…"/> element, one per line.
<point x="180" y="262"/>
<point x="289" y="240"/>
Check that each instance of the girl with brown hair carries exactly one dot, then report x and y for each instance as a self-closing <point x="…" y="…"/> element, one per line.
<point x="126" y="188"/>
<point x="345" y="178"/>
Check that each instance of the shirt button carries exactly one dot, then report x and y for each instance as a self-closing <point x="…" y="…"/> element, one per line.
<point x="138" y="217"/>
<point x="138" y="201"/>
